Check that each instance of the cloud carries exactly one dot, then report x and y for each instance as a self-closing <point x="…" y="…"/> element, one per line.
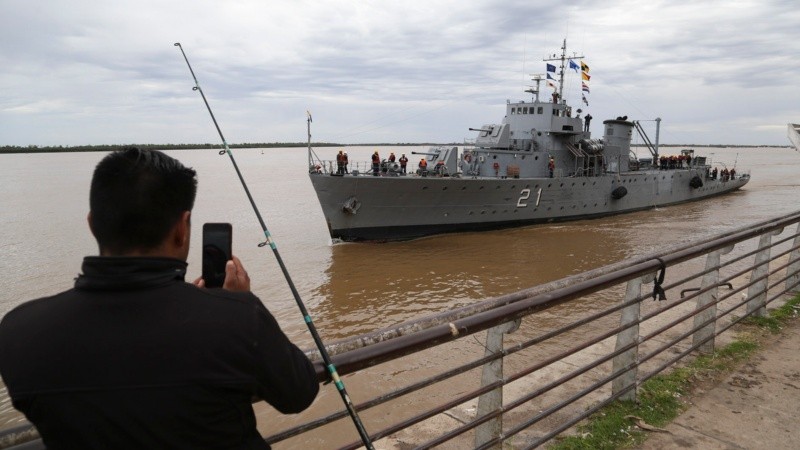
<point x="104" y="72"/>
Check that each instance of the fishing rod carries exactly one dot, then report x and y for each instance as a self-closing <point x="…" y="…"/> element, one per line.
<point x="311" y="328"/>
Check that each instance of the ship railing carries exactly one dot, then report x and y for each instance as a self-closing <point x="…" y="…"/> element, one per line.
<point x="521" y="369"/>
<point x="356" y="168"/>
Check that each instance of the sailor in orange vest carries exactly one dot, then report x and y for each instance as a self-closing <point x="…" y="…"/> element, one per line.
<point x="423" y="165"/>
<point x="376" y="163"/>
<point x="403" y="162"/>
<point x="340" y="163"/>
<point x="391" y="157"/>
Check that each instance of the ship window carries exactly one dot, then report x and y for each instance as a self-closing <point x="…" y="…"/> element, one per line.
<point x="610" y="131"/>
<point x="541" y="110"/>
<point x="513" y="110"/>
<point x="525" y="110"/>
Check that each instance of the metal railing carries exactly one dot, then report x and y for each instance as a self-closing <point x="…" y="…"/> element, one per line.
<point x="521" y="369"/>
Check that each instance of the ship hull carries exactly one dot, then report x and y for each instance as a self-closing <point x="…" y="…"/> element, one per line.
<point x="794" y="135"/>
<point x="365" y="208"/>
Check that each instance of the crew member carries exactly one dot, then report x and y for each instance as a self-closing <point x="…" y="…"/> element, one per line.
<point x="439" y="169"/>
<point x="376" y="163"/>
<point x="391" y="157"/>
<point x="551" y="166"/>
<point x="423" y="166"/>
<point x="403" y="163"/>
<point x="340" y="163"/>
<point x="586" y="121"/>
<point x="346" y="162"/>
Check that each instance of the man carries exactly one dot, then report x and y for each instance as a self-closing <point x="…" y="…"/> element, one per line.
<point x="376" y="163"/>
<point x="403" y="163"/>
<point x="340" y="163"/>
<point x="135" y="357"/>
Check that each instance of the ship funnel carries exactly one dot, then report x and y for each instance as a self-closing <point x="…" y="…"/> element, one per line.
<point x="617" y="140"/>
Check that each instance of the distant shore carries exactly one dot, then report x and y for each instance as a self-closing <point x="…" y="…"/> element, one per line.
<point x="107" y="148"/>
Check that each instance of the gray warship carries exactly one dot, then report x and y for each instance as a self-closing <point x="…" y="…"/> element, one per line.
<point x="539" y="165"/>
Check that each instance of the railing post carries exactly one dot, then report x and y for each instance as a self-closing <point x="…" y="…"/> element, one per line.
<point x="710" y="280"/>
<point x="757" y="293"/>
<point x="630" y="316"/>
<point x="493" y="372"/>
<point x="793" y="270"/>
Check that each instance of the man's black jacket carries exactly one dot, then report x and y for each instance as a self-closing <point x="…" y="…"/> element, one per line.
<point x="135" y="357"/>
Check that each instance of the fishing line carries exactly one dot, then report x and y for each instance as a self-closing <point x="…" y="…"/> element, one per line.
<point x="311" y="328"/>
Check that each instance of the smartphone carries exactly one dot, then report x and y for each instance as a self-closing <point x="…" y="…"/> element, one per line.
<point x="217" y="239"/>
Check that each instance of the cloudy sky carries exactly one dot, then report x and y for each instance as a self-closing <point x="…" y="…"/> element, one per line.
<point x="106" y="72"/>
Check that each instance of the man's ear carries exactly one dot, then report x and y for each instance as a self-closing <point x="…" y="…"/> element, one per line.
<point x="89" y="220"/>
<point x="182" y="230"/>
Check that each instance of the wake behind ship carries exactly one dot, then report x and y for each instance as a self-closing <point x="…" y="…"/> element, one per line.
<point x="540" y="164"/>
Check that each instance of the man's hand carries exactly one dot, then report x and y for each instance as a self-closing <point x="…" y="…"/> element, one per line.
<point x="236" y="278"/>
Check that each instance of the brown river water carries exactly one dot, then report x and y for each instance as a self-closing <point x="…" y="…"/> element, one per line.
<point x="354" y="288"/>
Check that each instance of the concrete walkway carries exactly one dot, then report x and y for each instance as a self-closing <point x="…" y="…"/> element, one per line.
<point x="755" y="407"/>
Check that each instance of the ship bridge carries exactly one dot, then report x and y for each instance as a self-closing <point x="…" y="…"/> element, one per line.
<point x="555" y="118"/>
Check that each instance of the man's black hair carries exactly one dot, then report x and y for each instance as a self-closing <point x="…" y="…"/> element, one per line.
<point x="136" y="197"/>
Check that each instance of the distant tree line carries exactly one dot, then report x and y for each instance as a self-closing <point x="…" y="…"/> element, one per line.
<point x="108" y="148"/>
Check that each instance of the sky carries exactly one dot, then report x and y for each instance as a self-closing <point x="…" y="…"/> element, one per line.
<point x="90" y="72"/>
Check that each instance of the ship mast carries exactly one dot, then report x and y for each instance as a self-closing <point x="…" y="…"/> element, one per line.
<point x="535" y="91"/>
<point x="563" y="60"/>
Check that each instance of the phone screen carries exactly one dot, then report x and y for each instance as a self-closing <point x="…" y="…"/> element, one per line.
<point x="216" y="252"/>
